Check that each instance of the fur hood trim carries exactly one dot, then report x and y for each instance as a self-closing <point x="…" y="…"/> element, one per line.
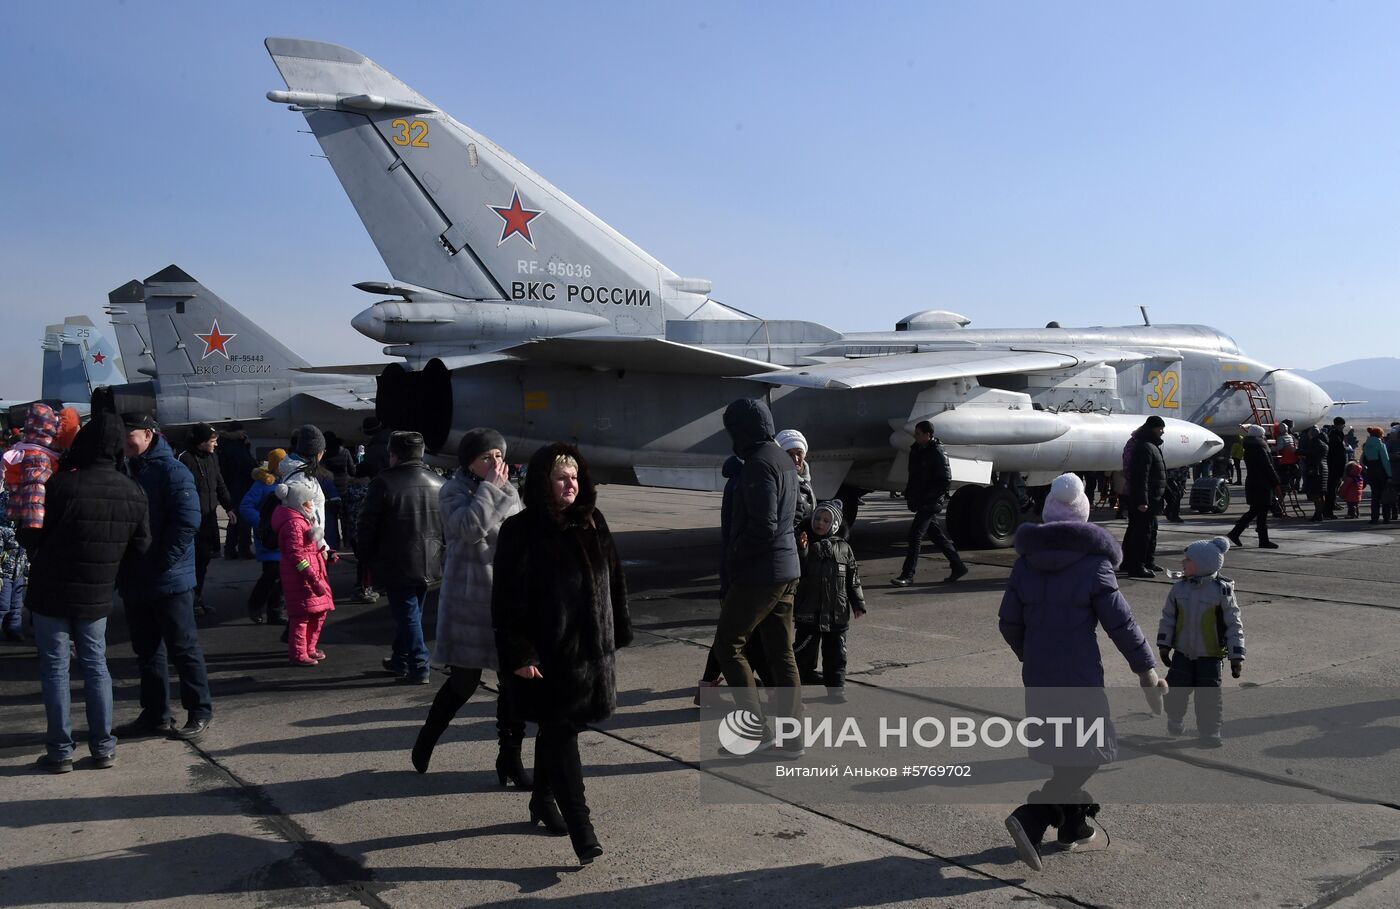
<point x="1065" y="542"/>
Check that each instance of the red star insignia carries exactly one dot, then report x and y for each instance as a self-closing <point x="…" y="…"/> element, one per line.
<point x="98" y="358"/>
<point x="517" y="218"/>
<point x="215" y="340"/>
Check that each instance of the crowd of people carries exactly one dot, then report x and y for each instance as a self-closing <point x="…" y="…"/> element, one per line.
<point x="531" y="587"/>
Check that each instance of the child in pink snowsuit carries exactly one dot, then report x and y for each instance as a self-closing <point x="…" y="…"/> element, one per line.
<point x="1353" y="484"/>
<point x="304" y="583"/>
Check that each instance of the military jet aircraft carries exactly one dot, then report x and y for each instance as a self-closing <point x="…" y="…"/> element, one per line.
<point x="543" y="321"/>
<point x="206" y="362"/>
<point x="77" y="359"/>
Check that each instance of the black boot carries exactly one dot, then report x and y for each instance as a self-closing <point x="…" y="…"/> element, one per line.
<point x="585" y="843"/>
<point x="445" y="707"/>
<point x="1027" y="826"/>
<point x="1074" y="830"/>
<point x="544" y="811"/>
<point x="508" y="765"/>
<point x="565" y="778"/>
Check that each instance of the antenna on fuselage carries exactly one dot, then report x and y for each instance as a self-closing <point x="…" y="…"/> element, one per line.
<point x="1145" y="321"/>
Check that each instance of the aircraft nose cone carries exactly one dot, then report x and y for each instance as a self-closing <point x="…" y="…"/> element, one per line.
<point x="369" y="323"/>
<point x="1298" y="399"/>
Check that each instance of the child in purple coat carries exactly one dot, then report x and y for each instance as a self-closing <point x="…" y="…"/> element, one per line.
<point x="1062" y="589"/>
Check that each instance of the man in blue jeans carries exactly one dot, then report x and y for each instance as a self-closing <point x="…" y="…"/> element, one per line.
<point x="399" y="534"/>
<point x="95" y="518"/>
<point x="158" y="589"/>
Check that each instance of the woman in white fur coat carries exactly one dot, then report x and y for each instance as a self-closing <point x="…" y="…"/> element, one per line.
<point x="475" y="502"/>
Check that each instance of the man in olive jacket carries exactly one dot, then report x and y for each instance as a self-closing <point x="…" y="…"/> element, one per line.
<point x="400" y="534"/>
<point x="762" y="562"/>
<point x="96" y="519"/>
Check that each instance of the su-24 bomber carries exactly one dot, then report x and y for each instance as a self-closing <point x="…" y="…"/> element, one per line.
<point x="528" y="313"/>
<point x="520" y="309"/>
<point x="543" y="321"/>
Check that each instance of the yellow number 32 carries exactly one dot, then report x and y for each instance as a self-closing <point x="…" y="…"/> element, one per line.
<point x="415" y="133"/>
<point x="1164" y="389"/>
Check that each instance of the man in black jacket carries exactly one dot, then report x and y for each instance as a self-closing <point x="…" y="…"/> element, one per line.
<point x="1336" y="463"/>
<point x="236" y="464"/>
<point x="376" y="448"/>
<point x="1147" y="487"/>
<point x="761" y="562"/>
<point x="400" y="535"/>
<point x="202" y="462"/>
<point x="95" y="519"/>
<point x="926" y="494"/>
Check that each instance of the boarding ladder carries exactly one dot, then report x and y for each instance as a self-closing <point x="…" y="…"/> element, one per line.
<point x="1259" y="406"/>
<point x="1262" y="412"/>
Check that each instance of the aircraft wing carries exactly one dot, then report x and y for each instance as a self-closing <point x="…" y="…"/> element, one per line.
<point x="650" y="354"/>
<point x="923" y="368"/>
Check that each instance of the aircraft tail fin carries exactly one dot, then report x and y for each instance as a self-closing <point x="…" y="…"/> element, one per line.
<point x="126" y="308"/>
<point x="52" y="386"/>
<point x="452" y="211"/>
<point x="77" y="359"/>
<point x="195" y="337"/>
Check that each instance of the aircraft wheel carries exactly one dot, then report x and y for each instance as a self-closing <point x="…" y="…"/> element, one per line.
<point x="1221" y="502"/>
<point x="956" y="516"/>
<point x="993" y="520"/>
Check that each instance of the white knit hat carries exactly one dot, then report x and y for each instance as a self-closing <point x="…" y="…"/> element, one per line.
<point x="789" y="439"/>
<point x="1066" y="501"/>
<point x="1252" y="429"/>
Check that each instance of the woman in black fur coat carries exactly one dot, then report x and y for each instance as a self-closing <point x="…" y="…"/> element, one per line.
<point x="559" y="607"/>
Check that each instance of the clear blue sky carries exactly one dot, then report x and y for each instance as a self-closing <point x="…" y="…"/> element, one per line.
<point x="848" y="163"/>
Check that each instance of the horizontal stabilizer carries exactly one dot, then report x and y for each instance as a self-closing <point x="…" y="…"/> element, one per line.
<point x="350" y="76"/>
<point x="919" y="368"/>
<point x="344" y="398"/>
<point x="650" y="354"/>
<point x="354" y="369"/>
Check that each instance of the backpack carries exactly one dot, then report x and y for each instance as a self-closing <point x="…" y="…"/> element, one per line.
<point x="267" y="537"/>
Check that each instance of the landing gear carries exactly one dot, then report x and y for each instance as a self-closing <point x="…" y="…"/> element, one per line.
<point x="984" y="517"/>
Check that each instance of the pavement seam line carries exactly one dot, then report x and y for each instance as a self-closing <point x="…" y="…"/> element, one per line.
<point x="1054" y="898"/>
<point x="263" y="807"/>
<point x="1358" y="884"/>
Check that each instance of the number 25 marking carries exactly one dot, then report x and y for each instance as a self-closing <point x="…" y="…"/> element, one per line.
<point x="1164" y="388"/>
<point x="415" y="133"/>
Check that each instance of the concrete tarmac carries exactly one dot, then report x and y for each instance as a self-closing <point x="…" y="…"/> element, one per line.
<point x="302" y="793"/>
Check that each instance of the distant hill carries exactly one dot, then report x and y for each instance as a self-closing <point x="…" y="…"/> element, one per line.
<point x="1380" y="406"/>
<point x="1372" y="380"/>
<point x="1372" y="372"/>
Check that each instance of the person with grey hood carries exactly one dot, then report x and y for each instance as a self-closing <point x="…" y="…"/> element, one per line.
<point x="299" y="468"/>
<point x="1200" y="628"/>
<point x="762" y="562"/>
<point x="828" y="596"/>
<point x="474" y="503"/>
